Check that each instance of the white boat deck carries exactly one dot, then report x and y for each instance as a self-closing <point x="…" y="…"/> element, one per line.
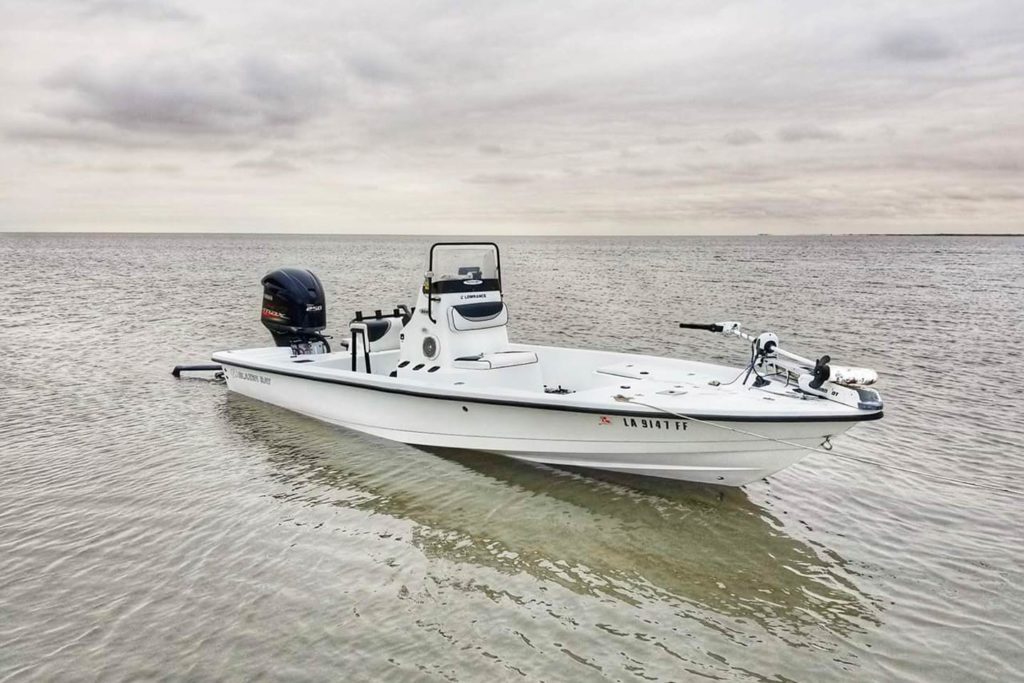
<point x="590" y="383"/>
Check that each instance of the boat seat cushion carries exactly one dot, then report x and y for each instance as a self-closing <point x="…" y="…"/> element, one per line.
<point x="479" y="316"/>
<point x="376" y="329"/>
<point x="382" y="334"/>
<point x="495" y="361"/>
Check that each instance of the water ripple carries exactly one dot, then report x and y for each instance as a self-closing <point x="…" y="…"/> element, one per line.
<point x="152" y="528"/>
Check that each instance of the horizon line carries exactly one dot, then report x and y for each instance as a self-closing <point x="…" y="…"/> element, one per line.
<point x="538" y="235"/>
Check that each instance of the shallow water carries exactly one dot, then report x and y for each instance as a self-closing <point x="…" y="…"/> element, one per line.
<point x="161" y="528"/>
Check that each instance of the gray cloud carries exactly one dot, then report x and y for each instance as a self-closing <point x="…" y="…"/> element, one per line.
<point x="146" y="10"/>
<point x="501" y="178"/>
<point x="741" y="136"/>
<point x="663" y="116"/>
<point x="167" y="169"/>
<point x="60" y="134"/>
<point x="182" y="97"/>
<point x="916" y="45"/>
<point x="271" y="165"/>
<point x="799" y="132"/>
<point x="643" y="171"/>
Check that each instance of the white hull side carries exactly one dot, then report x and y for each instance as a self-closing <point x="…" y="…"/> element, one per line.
<point x="674" y="449"/>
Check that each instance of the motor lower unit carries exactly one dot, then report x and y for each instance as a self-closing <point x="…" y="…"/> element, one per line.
<point x="294" y="310"/>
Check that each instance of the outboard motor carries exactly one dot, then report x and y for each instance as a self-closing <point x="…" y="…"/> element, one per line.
<point x="294" y="310"/>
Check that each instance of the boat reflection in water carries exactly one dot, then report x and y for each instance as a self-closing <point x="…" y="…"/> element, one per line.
<point x="707" y="551"/>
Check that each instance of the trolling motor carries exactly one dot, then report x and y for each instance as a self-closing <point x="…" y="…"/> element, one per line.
<point x="839" y="383"/>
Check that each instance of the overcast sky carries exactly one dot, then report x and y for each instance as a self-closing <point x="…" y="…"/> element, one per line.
<point x="516" y="117"/>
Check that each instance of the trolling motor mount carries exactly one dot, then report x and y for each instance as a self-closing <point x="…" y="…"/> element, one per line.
<point x="821" y="372"/>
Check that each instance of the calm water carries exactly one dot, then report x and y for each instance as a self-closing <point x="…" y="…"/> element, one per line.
<point x="154" y="528"/>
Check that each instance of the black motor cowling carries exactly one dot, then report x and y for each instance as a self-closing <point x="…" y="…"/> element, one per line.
<point x="294" y="310"/>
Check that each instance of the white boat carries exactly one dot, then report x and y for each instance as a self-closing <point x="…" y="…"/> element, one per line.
<point x="445" y="374"/>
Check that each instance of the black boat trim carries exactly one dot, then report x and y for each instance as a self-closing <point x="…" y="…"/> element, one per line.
<point x="548" y="406"/>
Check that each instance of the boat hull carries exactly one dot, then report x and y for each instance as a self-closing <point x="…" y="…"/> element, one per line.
<point x="631" y="441"/>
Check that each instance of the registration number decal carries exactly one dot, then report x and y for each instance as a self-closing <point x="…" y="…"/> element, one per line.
<point x="651" y="423"/>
